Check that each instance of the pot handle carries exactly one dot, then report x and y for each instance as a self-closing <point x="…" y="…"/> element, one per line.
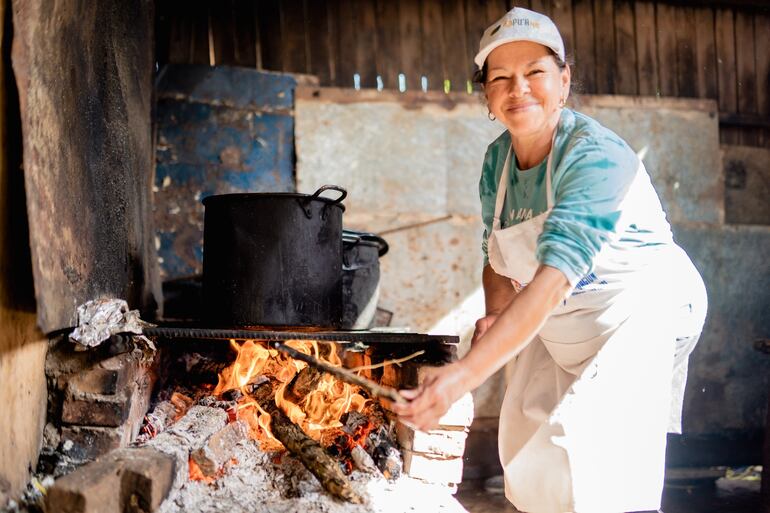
<point x="305" y="203"/>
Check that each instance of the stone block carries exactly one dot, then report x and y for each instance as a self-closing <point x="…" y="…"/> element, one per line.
<point x="219" y="447"/>
<point x="440" y="442"/>
<point x="431" y="468"/>
<point x="124" y="480"/>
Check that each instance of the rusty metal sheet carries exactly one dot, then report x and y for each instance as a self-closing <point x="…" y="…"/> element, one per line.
<point x="220" y="130"/>
<point x="678" y="140"/>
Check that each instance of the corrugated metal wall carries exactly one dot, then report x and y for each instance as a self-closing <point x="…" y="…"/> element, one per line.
<point x="681" y="48"/>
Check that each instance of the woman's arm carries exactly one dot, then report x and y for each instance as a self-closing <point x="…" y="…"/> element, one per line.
<point x="498" y="293"/>
<point x="514" y="328"/>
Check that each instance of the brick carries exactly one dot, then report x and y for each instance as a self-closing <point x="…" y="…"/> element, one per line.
<point x="83" y="443"/>
<point x="95" y="380"/>
<point x="440" y="442"/>
<point x="106" y="377"/>
<point x="433" y="469"/>
<point x="218" y="448"/>
<point x="96" y="409"/>
<point x="123" y="480"/>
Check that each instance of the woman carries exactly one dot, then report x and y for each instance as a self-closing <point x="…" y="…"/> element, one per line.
<point x="588" y="298"/>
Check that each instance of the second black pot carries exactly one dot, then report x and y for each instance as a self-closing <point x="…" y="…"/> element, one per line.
<point x="361" y="254"/>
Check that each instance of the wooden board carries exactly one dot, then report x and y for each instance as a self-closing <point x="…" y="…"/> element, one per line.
<point x="726" y="73"/>
<point x="411" y="38"/>
<point x="744" y="63"/>
<point x="625" y="58"/>
<point x="367" y="56"/>
<point x="88" y="159"/>
<point x="180" y="34"/>
<point x="271" y="38"/>
<point x="561" y="11"/>
<point x="666" y="35"/>
<point x="762" y="48"/>
<point x="456" y="65"/>
<point x="706" y="68"/>
<point x="605" y="46"/>
<point x="685" y="37"/>
<point x="388" y="43"/>
<point x="541" y="6"/>
<point x="585" y="56"/>
<point x="746" y="67"/>
<point x="199" y="42"/>
<point x="294" y="36"/>
<point x="346" y="44"/>
<point x="432" y="44"/>
<point x="647" y="48"/>
<point x="319" y="53"/>
<point x="224" y="38"/>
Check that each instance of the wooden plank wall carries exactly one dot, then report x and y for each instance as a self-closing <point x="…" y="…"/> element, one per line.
<point x="681" y="48"/>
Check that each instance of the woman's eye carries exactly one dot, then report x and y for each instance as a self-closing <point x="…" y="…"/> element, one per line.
<point x="497" y="79"/>
<point x="535" y="71"/>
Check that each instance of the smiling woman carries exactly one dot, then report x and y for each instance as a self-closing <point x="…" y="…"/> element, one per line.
<point x="590" y="305"/>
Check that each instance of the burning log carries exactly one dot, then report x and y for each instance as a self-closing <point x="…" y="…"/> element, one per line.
<point x="363" y="461"/>
<point x="310" y="453"/>
<point x="303" y="383"/>
<point x="370" y="386"/>
<point x="385" y="453"/>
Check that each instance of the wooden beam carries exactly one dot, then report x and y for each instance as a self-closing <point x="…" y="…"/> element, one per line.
<point x="84" y="74"/>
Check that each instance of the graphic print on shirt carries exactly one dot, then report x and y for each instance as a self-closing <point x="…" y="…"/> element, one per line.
<point x="517" y="215"/>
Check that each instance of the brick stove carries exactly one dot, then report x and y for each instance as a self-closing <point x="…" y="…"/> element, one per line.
<point x="99" y="399"/>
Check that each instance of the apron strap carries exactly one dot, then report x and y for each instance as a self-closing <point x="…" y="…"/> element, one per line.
<point x="503" y="185"/>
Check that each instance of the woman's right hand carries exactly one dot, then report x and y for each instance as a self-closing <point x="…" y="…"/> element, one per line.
<point x="482" y="325"/>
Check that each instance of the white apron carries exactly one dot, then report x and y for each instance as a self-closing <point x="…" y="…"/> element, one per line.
<point x="584" y="420"/>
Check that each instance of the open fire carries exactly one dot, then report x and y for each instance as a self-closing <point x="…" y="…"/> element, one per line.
<point x="242" y="424"/>
<point x="313" y="400"/>
<point x="282" y="403"/>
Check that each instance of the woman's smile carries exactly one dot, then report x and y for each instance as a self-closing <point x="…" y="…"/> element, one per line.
<point x="520" y="107"/>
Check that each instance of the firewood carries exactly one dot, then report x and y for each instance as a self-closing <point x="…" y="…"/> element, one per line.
<point x="374" y="389"/>
<point x="313" y="456"/>
<point x="303" y="383"/>
<point x="310" y="453"/>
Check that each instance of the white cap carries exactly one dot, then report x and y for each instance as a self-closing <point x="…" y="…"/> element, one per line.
<point x="520" y="25"/>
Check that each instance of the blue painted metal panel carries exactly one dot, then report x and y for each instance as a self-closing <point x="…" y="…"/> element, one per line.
<point x="219" y="130"/>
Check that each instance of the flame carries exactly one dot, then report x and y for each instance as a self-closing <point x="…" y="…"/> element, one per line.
<point x="320" y="410"/>
<point x="196" y="474"/>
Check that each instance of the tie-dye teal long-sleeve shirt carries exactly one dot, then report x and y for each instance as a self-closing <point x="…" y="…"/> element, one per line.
<point x="601" y="197"/>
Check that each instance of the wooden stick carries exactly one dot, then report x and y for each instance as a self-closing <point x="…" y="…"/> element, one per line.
<point x="370" y="386"/>
<point x="315" y="458"/>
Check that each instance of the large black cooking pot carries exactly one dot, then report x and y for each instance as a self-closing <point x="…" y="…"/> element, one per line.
<point x="273" y="259"/>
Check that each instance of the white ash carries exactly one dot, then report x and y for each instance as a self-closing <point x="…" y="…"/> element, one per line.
<point x="188" y="434"/>
<point x="257" y="482"/>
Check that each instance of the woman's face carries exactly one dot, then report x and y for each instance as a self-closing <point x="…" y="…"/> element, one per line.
<point x="524" y="86"/>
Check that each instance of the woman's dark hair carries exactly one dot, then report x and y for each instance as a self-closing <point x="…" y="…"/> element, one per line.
<point x="480" y="76"/>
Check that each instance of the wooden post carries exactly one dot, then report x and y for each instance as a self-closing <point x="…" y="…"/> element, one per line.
<point x="84" y="73"/>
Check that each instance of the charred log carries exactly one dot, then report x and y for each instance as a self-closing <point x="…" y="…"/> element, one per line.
<point x="310" y="453"/>
<point x="313" y="456"/>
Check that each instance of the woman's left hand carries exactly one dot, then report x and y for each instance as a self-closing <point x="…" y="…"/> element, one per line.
<point x="441" y="387"/>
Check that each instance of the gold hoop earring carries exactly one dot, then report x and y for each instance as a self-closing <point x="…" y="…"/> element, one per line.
<point x="491" y="116"/>
<point x="562" y="101"/>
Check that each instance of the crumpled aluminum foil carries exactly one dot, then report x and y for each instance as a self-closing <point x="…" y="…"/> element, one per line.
<point x="99" y="319"/>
